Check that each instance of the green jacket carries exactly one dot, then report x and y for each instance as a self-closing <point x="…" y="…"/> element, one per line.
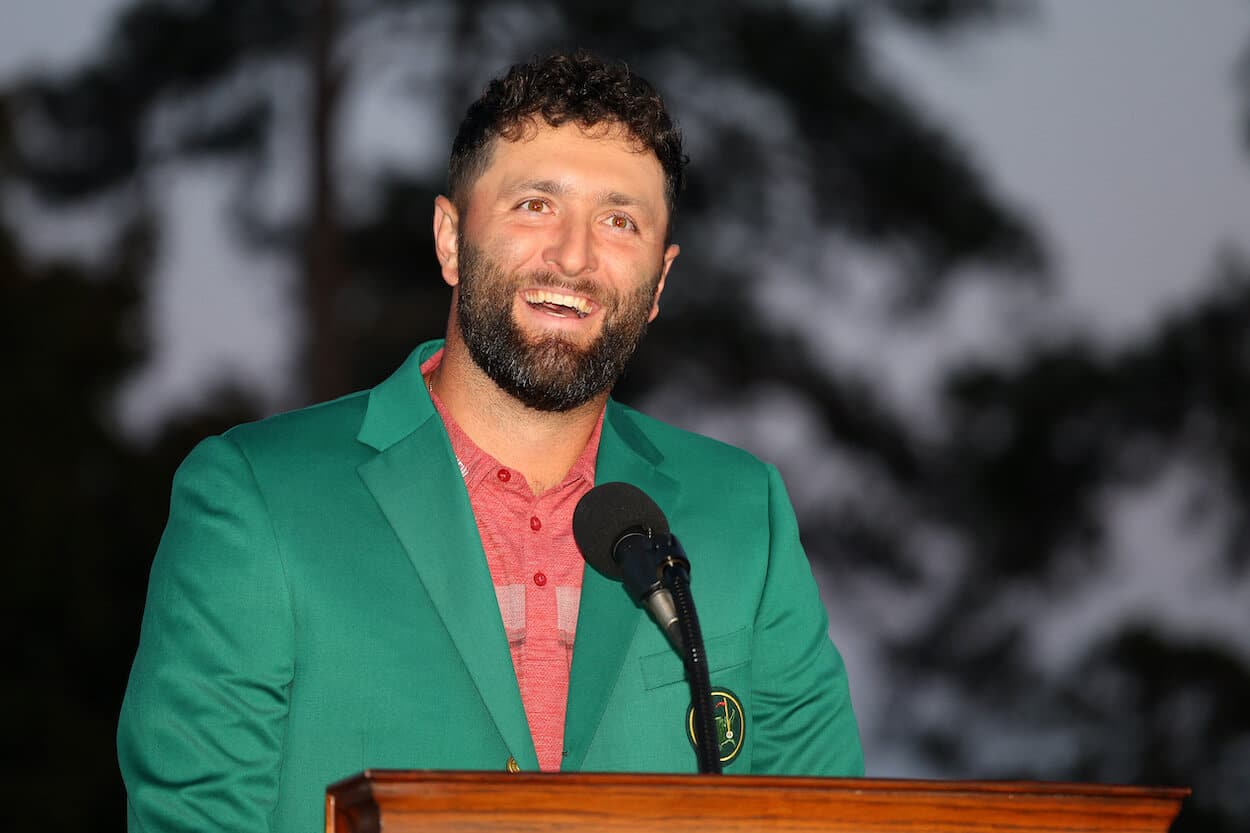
<point x="320" y="604"/>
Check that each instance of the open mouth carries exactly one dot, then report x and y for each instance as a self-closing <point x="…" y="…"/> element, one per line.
<point x="557" y="303"/>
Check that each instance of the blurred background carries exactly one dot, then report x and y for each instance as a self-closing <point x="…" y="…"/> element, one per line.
<point x="974" y="273"/>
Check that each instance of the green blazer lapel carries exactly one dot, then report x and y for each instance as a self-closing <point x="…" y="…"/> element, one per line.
<point x="607" y="618"/>
<point x="416" y="482"/>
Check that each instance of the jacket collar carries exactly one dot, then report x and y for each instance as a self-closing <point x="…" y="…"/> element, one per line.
<point x="400" y="404"/>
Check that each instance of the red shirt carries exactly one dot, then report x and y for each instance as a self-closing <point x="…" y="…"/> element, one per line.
<point x="536" y="568"/>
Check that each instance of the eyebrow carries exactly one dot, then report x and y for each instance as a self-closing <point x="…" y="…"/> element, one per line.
<point x="558" y="189"/>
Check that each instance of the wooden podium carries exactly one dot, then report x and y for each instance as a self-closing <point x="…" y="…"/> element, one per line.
<point x="459" y="802"/>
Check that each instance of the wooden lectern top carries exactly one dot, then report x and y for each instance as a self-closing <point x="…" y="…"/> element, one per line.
<point x="475" y="802"/>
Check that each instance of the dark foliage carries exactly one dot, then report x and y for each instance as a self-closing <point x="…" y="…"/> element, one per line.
<point x="82" y="512"/>
<point x="1034" y="454"/>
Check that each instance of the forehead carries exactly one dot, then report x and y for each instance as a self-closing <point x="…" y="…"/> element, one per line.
<point x="604" y="157"/>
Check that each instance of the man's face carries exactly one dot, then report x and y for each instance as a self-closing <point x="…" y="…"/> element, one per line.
<point x="558" y="262"/>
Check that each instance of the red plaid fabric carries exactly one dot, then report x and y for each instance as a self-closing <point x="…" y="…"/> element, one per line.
<point x="536" y="569"/>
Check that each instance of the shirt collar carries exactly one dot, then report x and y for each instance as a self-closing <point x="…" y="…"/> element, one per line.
<point x="476" y="465"/>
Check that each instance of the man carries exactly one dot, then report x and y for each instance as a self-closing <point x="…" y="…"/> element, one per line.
<point x="389" y="580"/>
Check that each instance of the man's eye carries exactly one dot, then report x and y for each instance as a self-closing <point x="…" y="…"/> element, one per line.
<point x="620" y="221"/>
<point x="535" y="205"/>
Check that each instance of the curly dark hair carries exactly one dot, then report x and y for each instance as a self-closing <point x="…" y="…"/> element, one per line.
<point x="563" y="87"/>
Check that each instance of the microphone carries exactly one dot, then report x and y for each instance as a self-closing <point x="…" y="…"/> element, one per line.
<point x="623" y="534"/>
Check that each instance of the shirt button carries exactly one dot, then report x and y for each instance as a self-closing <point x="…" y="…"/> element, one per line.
<point x="504" y="475"/>
<point x="540" y="579"/>
<point x="535" y="524"/>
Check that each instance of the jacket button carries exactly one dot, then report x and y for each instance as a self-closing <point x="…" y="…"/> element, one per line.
<point x="512" y="765"/>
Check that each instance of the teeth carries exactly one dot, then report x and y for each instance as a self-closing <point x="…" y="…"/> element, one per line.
<point x="545" y="296"/>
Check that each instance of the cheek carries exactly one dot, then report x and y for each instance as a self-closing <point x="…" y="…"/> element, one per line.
<point x="641" y="296"/>
<point x="517" y="248"/>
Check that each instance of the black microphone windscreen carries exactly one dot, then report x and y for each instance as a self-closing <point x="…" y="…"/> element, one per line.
<point x="606" y="514"/>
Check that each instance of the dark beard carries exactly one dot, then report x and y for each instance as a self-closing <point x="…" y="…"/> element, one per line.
<point x="548" y="373"/>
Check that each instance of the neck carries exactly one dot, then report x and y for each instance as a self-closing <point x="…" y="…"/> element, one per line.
<point x="542" y="445"/>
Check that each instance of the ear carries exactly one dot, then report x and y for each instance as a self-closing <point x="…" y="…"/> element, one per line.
<point x="670" y="254"/>
<point x="446" y="223"/>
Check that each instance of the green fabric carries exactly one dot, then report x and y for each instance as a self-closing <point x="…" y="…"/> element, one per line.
<point x="320" y="605"/>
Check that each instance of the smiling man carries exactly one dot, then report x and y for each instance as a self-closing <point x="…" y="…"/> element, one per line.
<point x="389" y="580"/>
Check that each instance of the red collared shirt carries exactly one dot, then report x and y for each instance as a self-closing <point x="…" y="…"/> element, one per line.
<point x="536" y="569"/>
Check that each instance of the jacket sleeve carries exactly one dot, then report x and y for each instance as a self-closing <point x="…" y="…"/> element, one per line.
<point x="202" y="723"/>
<point x="804" y="724"/>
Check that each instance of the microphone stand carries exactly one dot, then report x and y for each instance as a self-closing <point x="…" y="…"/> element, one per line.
<point x="674" y="574"/>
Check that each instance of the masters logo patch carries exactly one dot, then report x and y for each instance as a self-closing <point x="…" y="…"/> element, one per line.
<point x="730" y="720"/>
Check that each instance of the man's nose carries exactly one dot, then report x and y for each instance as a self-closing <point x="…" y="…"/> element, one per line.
<point x="572" y="250"/>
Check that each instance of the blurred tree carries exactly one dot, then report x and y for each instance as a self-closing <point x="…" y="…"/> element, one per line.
<point x="1040" y="456"/>
<point x="230" y="78"/>
<point x="81" y="511"/>
<point x="1042" y="462"/>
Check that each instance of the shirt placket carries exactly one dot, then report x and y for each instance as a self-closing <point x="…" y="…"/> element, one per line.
<point x="510" y="565"/>
<point x="546" y="669"/>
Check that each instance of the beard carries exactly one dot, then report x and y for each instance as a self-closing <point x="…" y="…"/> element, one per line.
<point x="547" y="372"/>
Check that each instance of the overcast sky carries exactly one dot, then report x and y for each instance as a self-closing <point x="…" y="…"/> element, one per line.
<point x="1116" y="123"/>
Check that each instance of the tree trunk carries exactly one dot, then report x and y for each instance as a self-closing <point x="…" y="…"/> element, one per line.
<point x="326" y="353"/>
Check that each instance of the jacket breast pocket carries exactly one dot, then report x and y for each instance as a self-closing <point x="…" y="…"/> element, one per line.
<point x="724" y="652"/>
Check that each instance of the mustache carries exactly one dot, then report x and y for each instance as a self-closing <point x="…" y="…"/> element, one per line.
<point x="583" y="286"/>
